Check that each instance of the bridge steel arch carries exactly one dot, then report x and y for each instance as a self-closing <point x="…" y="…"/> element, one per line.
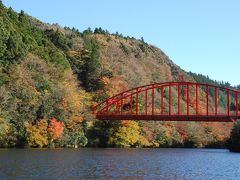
<point x="172" y="101"/>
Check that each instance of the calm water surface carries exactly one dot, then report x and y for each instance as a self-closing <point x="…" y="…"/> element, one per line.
<point x="196" y="164"/>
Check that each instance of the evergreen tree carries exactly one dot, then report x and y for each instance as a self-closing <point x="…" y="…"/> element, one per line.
<point x="57" y="38"/>
<point x="87" y="31"/>
<point x="234" y="141"/>
<point x="92" y="70"/>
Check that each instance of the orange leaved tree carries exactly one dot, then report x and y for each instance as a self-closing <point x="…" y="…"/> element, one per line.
<point x="55" y="129"/>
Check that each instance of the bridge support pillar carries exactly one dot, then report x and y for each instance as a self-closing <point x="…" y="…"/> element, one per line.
<point x="170" y="99"/>
<point x="196" y="99"/>
<point x="153" y="100"/>
<point x="207" y="99"/>
<point x="188" y="99"/>
<point x="216" y="101"/>
<point x="162" y="100"/>
<point x="228" y="102"/>
<point x="179" y="106"/>
<point x="237" y="104"/>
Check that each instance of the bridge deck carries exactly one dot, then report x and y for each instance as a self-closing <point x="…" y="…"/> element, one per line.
<point x="201" y="118"/>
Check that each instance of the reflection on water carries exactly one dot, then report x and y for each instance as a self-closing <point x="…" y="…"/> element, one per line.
<point x="119" y="164"/>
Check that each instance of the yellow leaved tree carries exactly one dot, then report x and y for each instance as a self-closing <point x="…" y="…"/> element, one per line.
<point x="128" y="135"/>
<point x="37" y="135"/>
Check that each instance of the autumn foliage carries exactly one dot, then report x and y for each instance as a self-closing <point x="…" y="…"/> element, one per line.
<point x="37" y="134"/>
<point x="55" y="129"/>
<point x="128" y="135"/>
<point x="50" y="76"/>
<point x="114" y="85"/>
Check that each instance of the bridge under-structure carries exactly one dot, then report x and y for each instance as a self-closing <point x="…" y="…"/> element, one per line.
<point x="172" y="101"/>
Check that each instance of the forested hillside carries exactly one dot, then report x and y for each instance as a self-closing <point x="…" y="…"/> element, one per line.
<point x="51" y="76"/>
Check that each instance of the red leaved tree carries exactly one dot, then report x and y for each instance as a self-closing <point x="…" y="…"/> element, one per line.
<point x="55" y="129"/>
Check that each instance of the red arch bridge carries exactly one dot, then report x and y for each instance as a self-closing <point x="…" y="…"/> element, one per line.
<point x="172" y="101"/>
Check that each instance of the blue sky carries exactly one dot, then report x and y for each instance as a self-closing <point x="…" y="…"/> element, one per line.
<point x="199" y="36"/>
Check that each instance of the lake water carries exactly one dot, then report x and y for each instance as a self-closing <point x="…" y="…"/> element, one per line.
<point x="196" y="164"/>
